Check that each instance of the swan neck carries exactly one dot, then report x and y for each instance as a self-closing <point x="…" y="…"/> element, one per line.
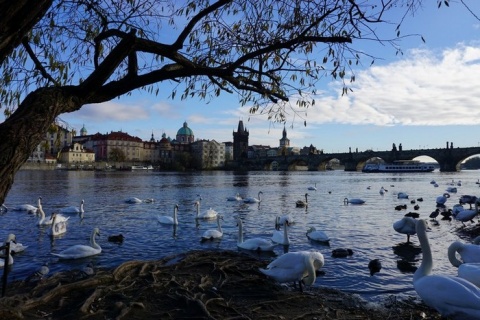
<point x="285" y="234"/>
<point x="240" y="232"/>
<point x="219" y="225"/>
<point x="452" y="250"/>
<point x="175" y="219"/>
<point x="311" y="276"/>
<point x="427" y="261"/>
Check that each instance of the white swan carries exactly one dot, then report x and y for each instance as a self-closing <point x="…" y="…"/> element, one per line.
<point x="452" y="297"/>
<point x="2" y="260"/>
<point x="442" y="199"/>
<point x="301" y="203"/>
<point x="255" y="244"/>
<point x="281" y="237"/>
<point x="209" y="214"/>
<point x="170" y="220"/>
<point x="470" y="272"/>
<point x="465" y="214"/>
<point x="402" y="195"/>
<point x="81" y="251"/>
<point x="353" y="201"/>
<point x="254" y="200"/>
<point x="26" y="207"/>
<point x="314" y="188"/>
<point x="317" y="235"/>
<point x="74" y="209"/>
<point x="15" y="247"/>
<point x="280" y="221"/>
<point x="295" y="266"/>
<point x="235" y="198"/>
<point x="58" y="227"/>
<point x="133" y="200"/>
<point x="43" y="221"/>
<point x="406" y="225"/>
<point x="468" y="252"/>
<point x="213" y="234"/>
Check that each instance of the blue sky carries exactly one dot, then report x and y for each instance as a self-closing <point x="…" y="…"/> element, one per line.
<point x="422" y="99"/>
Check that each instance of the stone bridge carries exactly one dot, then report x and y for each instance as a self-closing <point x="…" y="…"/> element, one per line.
<point x="449" y="159"/>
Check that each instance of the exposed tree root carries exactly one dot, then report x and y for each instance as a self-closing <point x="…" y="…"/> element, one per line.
<point x="200" y="284"/>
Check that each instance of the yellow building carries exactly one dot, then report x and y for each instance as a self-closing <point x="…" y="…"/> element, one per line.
<point x="76" y="154"/>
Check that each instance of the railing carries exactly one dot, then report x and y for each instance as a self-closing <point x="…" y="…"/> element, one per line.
<point x="6" y="248"/>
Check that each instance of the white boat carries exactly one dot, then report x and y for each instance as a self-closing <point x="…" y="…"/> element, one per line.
<point x="399" y="166"/>
<point x="142" y="167"/>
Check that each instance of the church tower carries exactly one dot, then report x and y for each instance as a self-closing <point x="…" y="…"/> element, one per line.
<point x="284" y="142"/>
<point x="240" y="142"/>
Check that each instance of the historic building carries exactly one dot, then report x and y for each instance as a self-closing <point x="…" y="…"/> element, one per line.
<point x="185" y="135"/>
<point x="76" y="154"/>
<point x="165" y="154"/>
<point x="209" y="154"/>
<point x="240" y="142"/>
<point x="56" y="138"/>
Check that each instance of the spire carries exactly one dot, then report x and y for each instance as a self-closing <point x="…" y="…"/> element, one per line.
<point x="284" y="134"/>
<point x="240" y="126"/>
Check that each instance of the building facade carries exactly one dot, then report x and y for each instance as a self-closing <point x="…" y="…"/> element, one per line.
<point x="209" y="154"/>
<point x="76" y="153"/>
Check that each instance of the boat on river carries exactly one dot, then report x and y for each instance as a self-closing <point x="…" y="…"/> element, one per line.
<point x="399" y="166"/>
<point x="142" y="168"/>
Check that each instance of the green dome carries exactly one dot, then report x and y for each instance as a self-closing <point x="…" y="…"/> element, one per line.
<point x="185" y="130"/>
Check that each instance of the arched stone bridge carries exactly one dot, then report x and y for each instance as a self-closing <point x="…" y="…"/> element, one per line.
<point x="449" y="159"/>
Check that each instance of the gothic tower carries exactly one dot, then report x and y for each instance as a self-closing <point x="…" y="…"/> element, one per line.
<point x="240" y="142"/>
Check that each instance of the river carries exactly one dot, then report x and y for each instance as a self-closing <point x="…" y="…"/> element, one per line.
<point x="366" y="229"/>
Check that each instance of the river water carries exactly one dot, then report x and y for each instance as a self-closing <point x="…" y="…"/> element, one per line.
<point x="366" y="229"/>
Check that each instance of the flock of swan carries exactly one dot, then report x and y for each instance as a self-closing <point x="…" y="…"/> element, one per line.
<point x="457" y="297"/>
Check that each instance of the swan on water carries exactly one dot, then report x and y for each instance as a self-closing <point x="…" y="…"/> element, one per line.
<point x="58" y="227"/>
<point x="314" y="188"/>
<point x="169" y="220"/>
<point x="406" y="225"/>
<point x="295" y="266"/>
<point x="442" y="199"/>
<point x="254" y="200"/>
<point x="280" y="221"/>
<point x="213" y="234"/>
<point x="452" y="297"/>
<point x="317" y="235"/>
<point x="254" y="244"/>
<point x="15" y="247"/>
<point x="74" y="209"/>
<point x="235" y="198"/>
<point x="301" y="203"/>
<point x="133" y="200"/>
<point x="281" y="237"/>
<point x="402" y="195"/>
<point x="43" y="221"/>
<point x="209" y="214"/>
<point x="353" y="201"/>
<point x="81" y="251"/>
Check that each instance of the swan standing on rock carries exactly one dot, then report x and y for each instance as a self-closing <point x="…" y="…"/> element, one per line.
<point x="213" y="234"/>
<point x="209" y="214"/>
<point x="170" y="220"/>
<point x="81" y="251"/>
<point x="254" y="200"/>
<point x="255" y="244"/>
<point x="452" y="297"/>
<point x="295" y="266"/>
<point x="301" y="203"/>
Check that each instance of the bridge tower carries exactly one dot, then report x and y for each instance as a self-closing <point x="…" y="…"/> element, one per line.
<point x="240" y="142"/>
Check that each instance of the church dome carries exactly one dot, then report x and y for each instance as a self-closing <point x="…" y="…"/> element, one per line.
<point x="185" y="130"/>
<point x="83" y="131"/>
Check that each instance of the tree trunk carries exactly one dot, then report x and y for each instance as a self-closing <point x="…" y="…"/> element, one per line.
<point x="26" y="128"/>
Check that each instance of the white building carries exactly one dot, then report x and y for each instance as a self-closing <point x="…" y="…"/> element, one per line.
<point x="209" y="154"/>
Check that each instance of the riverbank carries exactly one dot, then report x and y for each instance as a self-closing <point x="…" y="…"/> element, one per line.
<point x="195" y="285"/>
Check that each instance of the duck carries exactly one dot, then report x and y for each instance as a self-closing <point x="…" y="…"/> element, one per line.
<point x="170" y="220"/>
<point x="313" y="188"/>
<point x="117" y="238"/>
<point x="298" y="266"/>
<point x="401" y="207"/>
<point x="434" y="214"/>
<point x="317" y="235"/>
<point x="342" y="252"/>
<point x="206" y="215"/>
<point x="453" y="297"/>
<point x="214" y="234"/>
<point x="74" y="209"/>
<point x="82" y="251"/>
<point x="58" y="227"/>
<point x="406" y="225"/>
<point x="374" y="266"/>
<point x="301" y="203"/>
<point x="254" y="200"/>
<point x="253" y="244"/>
<point x="235" y="198"/>
<point x="353" y="201"/>
<point x="281" y="237"/>
<point x="15" y="247"/>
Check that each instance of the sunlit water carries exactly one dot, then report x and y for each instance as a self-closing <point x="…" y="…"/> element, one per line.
<point x="366" y="229"/>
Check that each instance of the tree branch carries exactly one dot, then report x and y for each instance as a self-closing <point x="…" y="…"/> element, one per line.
<point x="36" y="62"/>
